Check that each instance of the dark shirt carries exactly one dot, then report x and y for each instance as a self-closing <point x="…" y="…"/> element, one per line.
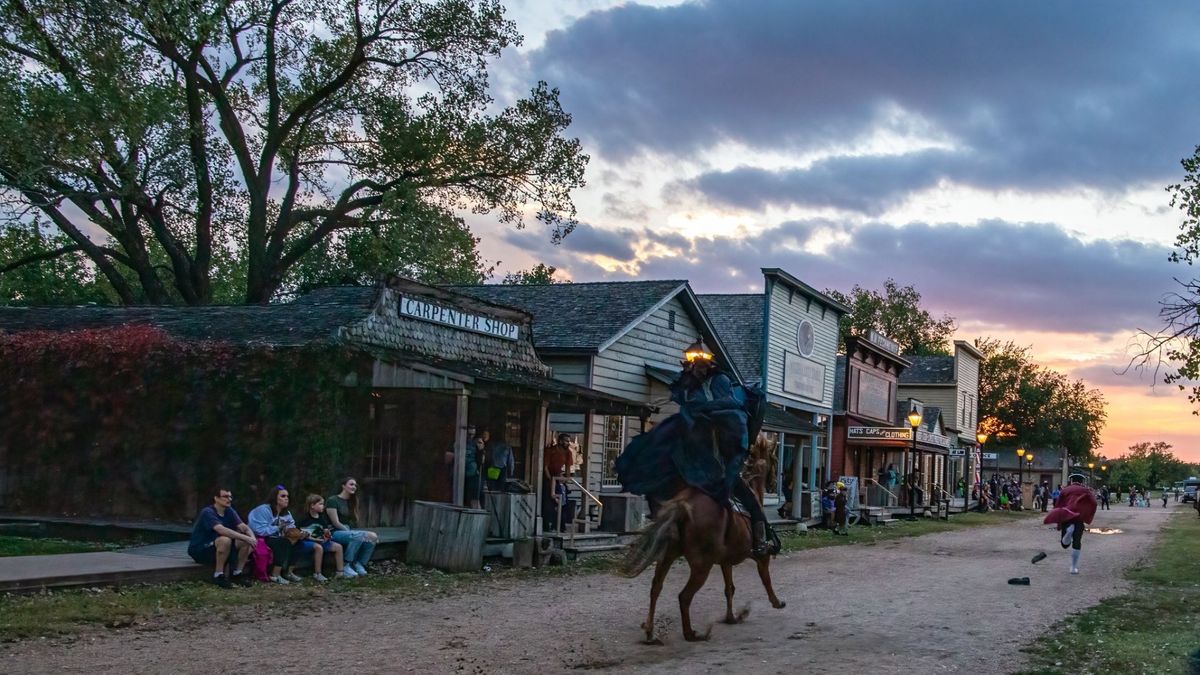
<point x="316" y="524"/>
<point x="345" y="514"/>
<point x="204" y="531"/>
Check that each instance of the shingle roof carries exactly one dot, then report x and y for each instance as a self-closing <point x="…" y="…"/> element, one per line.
<point x="929" y="370"/>
<point x="309" y="320"/>
<point x="559" y="310"/>
<point x="738" y="320"/>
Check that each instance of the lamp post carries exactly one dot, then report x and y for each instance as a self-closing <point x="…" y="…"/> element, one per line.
<point x="1029" y="465"/>
<point x="914" y="420"/>
<point x="1091" y="474"/>
<point x="1020" y="478"/>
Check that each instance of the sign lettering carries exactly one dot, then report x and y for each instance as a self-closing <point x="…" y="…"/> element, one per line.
<point x="884" y="343"/>
<point x="448" y="316"/>
<point x="990" y="455"/>
<point x="958" y="452"/>
<point x="879" y="433"/>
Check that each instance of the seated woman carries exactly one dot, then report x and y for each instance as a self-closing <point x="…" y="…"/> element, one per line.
<point x="320" y="539"/>
<point x="270" y="521"/>
<point x="359" y="545"/>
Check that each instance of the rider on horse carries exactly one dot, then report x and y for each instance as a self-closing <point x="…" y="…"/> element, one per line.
<point x="705" y="444"/>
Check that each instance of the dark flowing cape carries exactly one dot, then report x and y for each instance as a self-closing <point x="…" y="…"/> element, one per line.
<point x="703" y="445"/>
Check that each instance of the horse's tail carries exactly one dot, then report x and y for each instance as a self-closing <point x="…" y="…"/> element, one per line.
<point x="666" y="530"/>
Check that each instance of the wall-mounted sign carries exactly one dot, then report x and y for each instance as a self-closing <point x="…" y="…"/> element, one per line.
<point x="933" y="439"/>
<point x="803" y="377"/>
<point x="958" y="452"/>
<point x="806" y="338"/>
<point x="990" y="456"/>
<point x="885" y="343"/>
<point x="878" y="433"/>
<point x="448" y="316"/>
<point x="874" y="396"/>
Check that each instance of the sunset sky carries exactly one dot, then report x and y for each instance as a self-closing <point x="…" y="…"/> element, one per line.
<point x="1008" y="160"/>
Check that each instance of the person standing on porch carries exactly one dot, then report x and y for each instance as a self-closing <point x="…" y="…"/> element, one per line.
<point x="557" y="462"/>
<point x="500" y="464"/>
<point x="888" y="479"/>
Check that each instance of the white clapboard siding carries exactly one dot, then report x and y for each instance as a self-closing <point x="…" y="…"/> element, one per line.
<point x="966" y="368"/>
<point x="621" y="369"/>
<point x="787" y="310"/>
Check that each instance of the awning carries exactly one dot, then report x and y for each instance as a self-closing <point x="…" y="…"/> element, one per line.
<point x="561" y="395"/>
<point x="778" y="419"/>
<point x="662" y="374"/>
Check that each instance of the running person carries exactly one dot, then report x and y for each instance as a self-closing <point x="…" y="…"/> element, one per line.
<point x="1076" y="508"/>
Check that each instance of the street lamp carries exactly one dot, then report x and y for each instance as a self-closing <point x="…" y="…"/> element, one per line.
<point x="1020" y="479"/>
<point x="1091" y="465"/>
<point x="914" y="420"/>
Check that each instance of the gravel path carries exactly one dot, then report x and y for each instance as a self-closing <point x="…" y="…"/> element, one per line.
<point x="900" y="606"/>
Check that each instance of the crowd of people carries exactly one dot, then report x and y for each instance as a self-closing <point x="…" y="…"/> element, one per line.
<point x="274" y="541"/>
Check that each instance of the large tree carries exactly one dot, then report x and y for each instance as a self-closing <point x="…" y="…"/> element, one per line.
<point x="1021" y="402"/>
<point x="896" y="313"/>
<point x="178" y="142"/>
<point x="1148" y="465"/>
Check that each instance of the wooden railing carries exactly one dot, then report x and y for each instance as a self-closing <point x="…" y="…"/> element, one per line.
<point x="586" y="522"/>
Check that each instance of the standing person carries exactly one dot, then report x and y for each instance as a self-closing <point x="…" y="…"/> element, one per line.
<point x="472" y="473"/>
<point x="915" y="492"/>
<point x="841" y="515"/>
<point x="359" y="545"/>
<point x="889" y="478"/>
<point x="269" y="521"/>
<point x="1076" y="508"/>
<point x="320" y="533"/>
<point x="1037" y="496"/>
<point x="1164" y="498"/>
<point x="1056" y="494"/>
<point x="500" y="464"/>
<point x="217" y="530"/>
<point x="1104" y="498"/>
<point x="557" y="462"/>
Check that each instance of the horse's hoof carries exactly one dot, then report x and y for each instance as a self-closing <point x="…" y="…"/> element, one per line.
<point x="653" y="642"/>
<point x="695" y="637"/>
<point x="779" y="605"/>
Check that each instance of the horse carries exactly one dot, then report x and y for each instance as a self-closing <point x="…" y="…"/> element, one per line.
<point x="693" y="525"/>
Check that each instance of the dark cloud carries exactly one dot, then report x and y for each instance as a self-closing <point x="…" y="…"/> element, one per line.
<point x="1048" y="94"/>
<point x="585" y="239"/>
<point x="1021" y="276"/>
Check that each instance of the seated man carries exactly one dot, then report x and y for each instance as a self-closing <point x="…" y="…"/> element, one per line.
<point x="216" y="531"/>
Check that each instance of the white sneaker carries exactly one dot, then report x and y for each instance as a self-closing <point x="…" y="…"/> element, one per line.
<point x="360" y="570"/>
<point x="1066" y="535"/>
<point x="1074" y="570"/>
<point x="349" y="572"/>
<point x="293" y="577"/>
<point x="320" y="578"/>
<point x="279" y="580"/>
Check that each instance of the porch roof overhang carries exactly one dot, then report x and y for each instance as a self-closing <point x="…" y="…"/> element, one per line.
<point x="560" y="395"/>
<point x="778" y="419"/>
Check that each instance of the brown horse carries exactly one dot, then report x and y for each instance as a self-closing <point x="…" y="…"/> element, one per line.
<point x="695" y="526"/>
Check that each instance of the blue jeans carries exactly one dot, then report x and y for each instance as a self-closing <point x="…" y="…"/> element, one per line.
<point x="356" y="548"/>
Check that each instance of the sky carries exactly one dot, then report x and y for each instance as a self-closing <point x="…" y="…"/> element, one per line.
<point x="1008" y="160"/>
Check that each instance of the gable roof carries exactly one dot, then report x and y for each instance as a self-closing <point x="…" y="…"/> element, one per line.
<point x="578" y="316"/>
<point x="306" y="321"/>
<point x="738" y="321"/>
<point x="929" y="370"/>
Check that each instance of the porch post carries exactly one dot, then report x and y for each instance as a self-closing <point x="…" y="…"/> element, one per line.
<point x="539" y="458"/>
<point x="797" y="477"/>
<point x="460" y="446"/>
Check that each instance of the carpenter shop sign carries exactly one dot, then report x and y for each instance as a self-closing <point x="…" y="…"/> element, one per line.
<point x="448" y="316"/>
<point x="878" y="433"/>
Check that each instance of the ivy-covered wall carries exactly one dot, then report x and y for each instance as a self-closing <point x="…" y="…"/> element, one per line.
<point x="131" y="422"/>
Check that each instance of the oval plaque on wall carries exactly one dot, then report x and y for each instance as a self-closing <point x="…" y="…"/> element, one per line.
<point x="805" y="339"/>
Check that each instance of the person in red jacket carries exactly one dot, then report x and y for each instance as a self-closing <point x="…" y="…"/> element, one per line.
<point x="1075" y="508"/>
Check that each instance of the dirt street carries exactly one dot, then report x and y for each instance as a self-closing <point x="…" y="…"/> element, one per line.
<point x="908" y="605"/>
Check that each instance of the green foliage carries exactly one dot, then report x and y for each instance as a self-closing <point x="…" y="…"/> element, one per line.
<point x="195" y="151"/>
<point x="897" y="314"/>
<point x="129" y="421"/>
<point x="51" y="277"/>
<point x="539" y="274"/>
<point x="1148" y="465"/>
<point x="1021" y="402"/>
<point x="16" y="546"/>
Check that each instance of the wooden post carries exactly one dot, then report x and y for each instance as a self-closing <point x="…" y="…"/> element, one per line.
<point x="797" y="477"/>
<point x="539" y="459"/>
<point x="460" y="446"/>
<point x="589" y="429"/>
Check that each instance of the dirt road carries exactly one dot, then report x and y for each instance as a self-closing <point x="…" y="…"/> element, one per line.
<point x="904" y="605"/>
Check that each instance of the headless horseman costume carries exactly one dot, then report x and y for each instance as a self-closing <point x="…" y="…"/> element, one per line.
<point x="704" y="445"/>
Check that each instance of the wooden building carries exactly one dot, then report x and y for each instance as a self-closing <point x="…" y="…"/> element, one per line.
<point x="786" y="340"/>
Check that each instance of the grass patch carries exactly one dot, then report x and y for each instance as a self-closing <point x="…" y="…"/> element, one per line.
<point x="63" y="613"/>
<point x="1152" y="629"/>
<point x="870" y="535"/>
<point x="15" y="546"/>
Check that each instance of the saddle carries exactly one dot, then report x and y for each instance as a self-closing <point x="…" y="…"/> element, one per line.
<point x="737" y="507"/>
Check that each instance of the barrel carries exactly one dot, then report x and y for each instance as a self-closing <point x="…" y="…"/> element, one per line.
<point x="447" y="537"/>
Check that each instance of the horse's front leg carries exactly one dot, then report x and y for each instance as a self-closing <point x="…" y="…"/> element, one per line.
<point x="730" y="617"/>
<point x="764" y="573"/>
<point x="695" y="581"/>
<point x="660" y="571"/>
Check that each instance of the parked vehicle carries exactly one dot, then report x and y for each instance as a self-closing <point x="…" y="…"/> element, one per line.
<point x="1189" y="489"/>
